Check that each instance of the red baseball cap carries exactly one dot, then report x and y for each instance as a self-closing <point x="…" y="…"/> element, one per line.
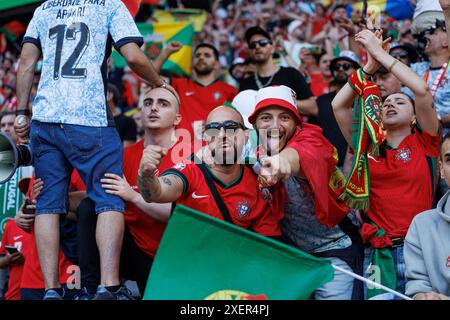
<point x="280" y="96"/>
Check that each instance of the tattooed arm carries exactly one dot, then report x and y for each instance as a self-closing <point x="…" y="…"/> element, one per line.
<point x="163" y="189"/>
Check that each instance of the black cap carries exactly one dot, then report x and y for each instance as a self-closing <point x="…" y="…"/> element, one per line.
<point x="256" y="30"/>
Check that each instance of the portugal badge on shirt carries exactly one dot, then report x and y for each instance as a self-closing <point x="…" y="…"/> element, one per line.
<point x="243" y="209"/>
<point x="403" y="154"/>
<point x="217" y="95"/>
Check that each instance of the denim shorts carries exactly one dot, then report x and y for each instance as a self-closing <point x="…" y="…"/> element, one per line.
<point x="93" y="151"/>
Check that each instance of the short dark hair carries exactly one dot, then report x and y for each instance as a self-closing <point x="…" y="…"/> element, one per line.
<point x="210" y="46"/>
<point x="445" y="138"/>
<point x="6" y="113"/>
<point x="339" y="6"/>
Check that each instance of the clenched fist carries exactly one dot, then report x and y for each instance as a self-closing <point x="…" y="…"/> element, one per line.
<point x="151" y="158"/>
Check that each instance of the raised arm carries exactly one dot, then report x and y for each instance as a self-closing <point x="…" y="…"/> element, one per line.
<point x="172" y="47"/>
<point x="425" y="111"/>
<point x="342" y="108"/>
<point x="157" y="189"/>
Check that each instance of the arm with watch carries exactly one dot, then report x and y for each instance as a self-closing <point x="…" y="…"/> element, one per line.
<point x="28" y="58"/>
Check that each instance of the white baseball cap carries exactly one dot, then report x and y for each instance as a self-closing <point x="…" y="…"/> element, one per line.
<point x="245" y="102"/>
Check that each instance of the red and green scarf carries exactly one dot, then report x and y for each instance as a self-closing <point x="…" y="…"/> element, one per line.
<point x="367" y="136"/>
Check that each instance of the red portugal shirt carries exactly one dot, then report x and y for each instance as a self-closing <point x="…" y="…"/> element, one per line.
<point x="242" y="197"/>
<point x="318" y="85"/>
<point x="16" y="237"/>
<point x="198" y="100"/>
<point x="145" y="230"/>
<point x="402" y="183"/>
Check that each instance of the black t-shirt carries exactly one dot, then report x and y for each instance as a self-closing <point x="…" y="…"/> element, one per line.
<point x="327" y="121"/>
<point x="126" y="127"/>
<point x="285" y="76"/>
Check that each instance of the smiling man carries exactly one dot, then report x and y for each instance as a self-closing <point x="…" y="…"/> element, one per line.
<point x="189" y="183"/>
<point x="311" y="210"/>
<point x="436" y="71"/>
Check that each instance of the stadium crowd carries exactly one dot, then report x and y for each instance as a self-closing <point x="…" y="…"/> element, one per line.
<point x="288" y="104"/>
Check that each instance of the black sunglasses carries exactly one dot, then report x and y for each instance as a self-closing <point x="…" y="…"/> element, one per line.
<point x="213" y="128"/>
<point x="260" y="42"/>
<point x="344" y="66"/>
<point x="400" y="55"/>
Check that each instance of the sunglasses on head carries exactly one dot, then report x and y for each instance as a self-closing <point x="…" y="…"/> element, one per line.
<point x="402" y="54"/>
<point x="260" y="42"/>
<point x="213" y="128"/>
<point x="343" y="66"/>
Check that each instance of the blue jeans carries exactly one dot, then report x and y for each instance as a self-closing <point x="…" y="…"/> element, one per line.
<point x="340" y="288"/>
<point x="93" y="151"/>
<point x="400" y="268"/>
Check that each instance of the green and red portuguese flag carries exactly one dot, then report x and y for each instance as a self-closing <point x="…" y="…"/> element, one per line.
<point x="201" y="257"/>
<point x="10" y="199"/>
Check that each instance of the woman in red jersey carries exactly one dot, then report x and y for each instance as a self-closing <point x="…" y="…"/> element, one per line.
<point x="401" y="177"/>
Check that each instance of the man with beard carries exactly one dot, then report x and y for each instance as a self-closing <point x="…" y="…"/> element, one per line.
<point x="436" y="71"/>
<point x="301" y="161"/>
<point x="261" y="49"/>
<point x="341" y="68"/>
<point x="203" y="188"/>
<point x="201" y="94"/>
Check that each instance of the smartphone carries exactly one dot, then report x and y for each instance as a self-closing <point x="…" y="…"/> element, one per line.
<point x="11" y="249"/>
<point x="25" y="209"/>
<point x="315" y="50"/>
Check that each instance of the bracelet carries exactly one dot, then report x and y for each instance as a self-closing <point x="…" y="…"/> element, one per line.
<point x="24" y="112"/>
<point x="365" y="72"/>
<point x="392" y="65"/>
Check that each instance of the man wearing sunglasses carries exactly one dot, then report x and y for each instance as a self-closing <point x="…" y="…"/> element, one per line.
<point x="406" y="53"/>
<point x="436" y="71"/>
<point x="261" y="50"/>
<point x="187" y="183"/>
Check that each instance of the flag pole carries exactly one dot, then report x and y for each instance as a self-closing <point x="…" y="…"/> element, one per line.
<point x="376" y="285"/>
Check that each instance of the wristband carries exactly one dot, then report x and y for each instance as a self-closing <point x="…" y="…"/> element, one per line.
<point x="365" y="72"/>
<point x="24" y="112"/>
<point x="392" y="65"/>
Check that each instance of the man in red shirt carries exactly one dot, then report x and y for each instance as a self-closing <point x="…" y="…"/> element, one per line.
<point x="204" y="92"/>
<point x="145" y="222"/>
<point x="203" y="188"/>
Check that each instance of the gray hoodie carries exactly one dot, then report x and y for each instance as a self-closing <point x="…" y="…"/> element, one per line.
<point x="427" y="251"/>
